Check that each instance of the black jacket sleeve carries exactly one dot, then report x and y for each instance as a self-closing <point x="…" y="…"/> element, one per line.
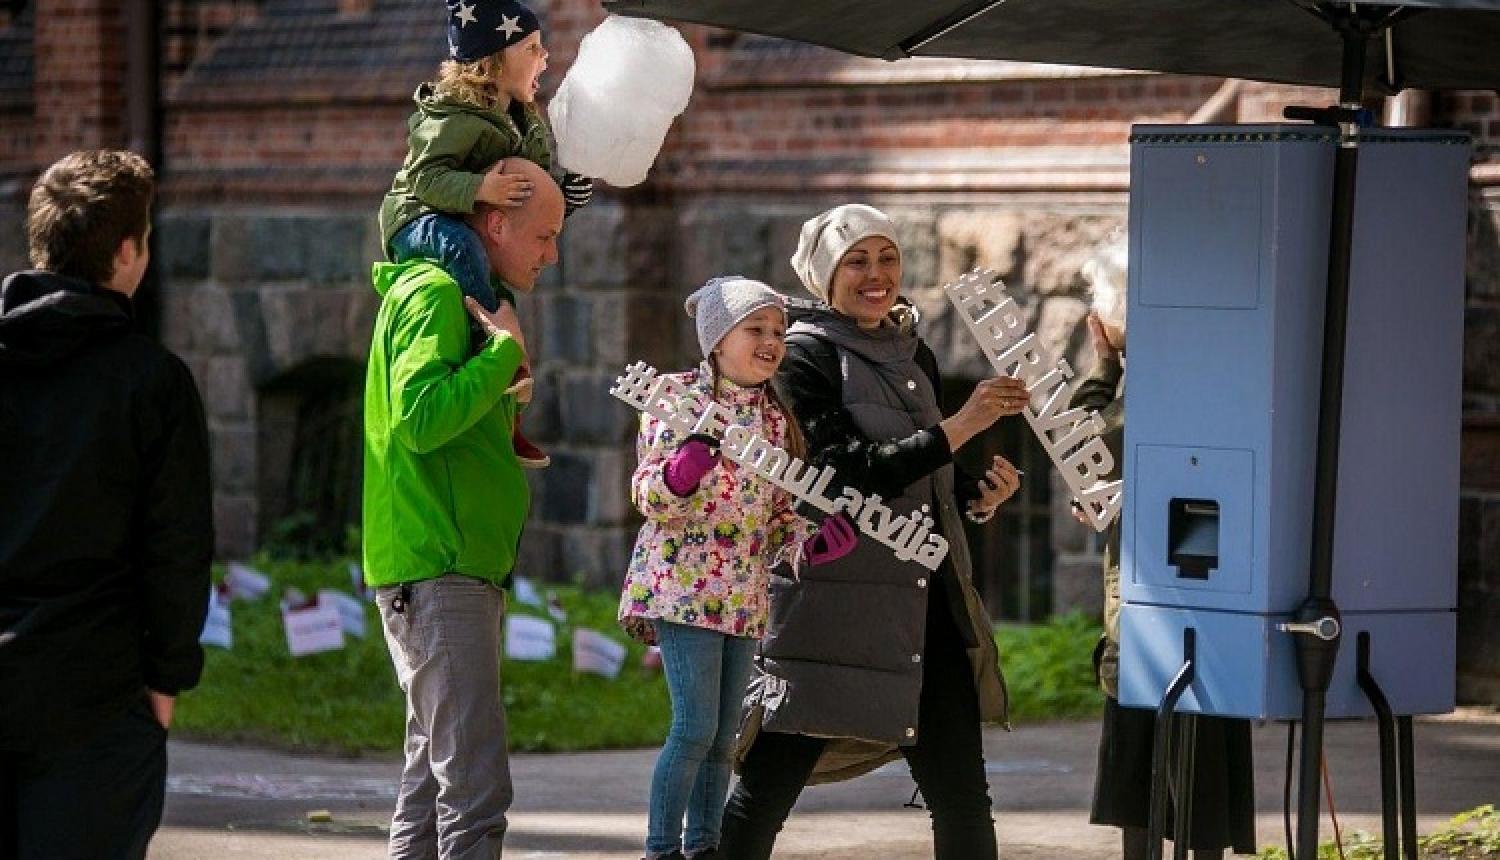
<point x="810" y="381"/>
<point x="175" y="538"/>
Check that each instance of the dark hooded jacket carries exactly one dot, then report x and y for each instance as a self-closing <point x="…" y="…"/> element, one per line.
<point x="106" y="530"/>
<point x="842" y="656"/>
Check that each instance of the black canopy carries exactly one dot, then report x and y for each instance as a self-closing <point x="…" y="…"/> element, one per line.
<point x="1430" y="44"/>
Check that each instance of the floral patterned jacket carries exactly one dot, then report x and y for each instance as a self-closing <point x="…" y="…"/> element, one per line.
<point x="706" y="560"/>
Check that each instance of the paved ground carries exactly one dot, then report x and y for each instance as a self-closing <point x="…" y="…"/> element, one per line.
<point x="228" y="803"/>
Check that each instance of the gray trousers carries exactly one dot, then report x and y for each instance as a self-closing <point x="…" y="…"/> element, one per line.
<point x="455" y="788"/>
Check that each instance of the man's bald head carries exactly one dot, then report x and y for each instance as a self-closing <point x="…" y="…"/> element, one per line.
<point x="521" y="241"/>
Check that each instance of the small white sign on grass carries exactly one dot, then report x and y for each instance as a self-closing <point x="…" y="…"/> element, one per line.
<point x="526" y="592"/>
<point x="597" y="653"/>
<point x="245" y="582"/>
<point x="312" y="629"/>
<point x="351" y="611"/>
<point x="528" y="638"/>
<point x="217" y="629"/>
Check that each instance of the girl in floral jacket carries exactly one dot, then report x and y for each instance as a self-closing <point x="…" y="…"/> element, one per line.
<point x="700" y="573"/>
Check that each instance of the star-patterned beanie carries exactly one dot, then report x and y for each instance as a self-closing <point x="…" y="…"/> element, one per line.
<point x="479" y="28"/>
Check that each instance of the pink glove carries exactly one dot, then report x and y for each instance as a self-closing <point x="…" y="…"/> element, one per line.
<point x="694" y="459"/>
<point x="835" y="539"/>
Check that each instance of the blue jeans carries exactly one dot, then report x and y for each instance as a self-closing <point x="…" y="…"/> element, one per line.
<point x="453" y="246"/>
<point x="706" y="674"/>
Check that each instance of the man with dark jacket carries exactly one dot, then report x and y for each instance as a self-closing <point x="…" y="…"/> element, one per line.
<point x="105" y="524"/>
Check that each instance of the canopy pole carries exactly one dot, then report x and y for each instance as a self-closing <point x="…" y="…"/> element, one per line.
<point x="1317" y="619"/>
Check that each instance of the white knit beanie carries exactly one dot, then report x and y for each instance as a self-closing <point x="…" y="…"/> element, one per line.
<point x="826" y="238"/>
<point x="720" y="304"/>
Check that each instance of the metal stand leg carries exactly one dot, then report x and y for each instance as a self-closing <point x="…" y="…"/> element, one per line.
<point x="1164" y="717"/>
<point x="1187" y="746"/>
<point x="1386" y="726"/>
<point x="1405" y="749"/>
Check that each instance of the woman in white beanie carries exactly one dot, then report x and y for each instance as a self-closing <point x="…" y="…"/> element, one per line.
<point x="872" y="658"/>
<point x="697" y="584"/>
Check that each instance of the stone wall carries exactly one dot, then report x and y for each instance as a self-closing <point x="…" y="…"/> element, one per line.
<point x="605" y="305"/>
<point x="1479" y="500"/>
<point x="259" y="303"/>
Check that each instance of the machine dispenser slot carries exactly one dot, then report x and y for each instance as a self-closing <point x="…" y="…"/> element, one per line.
<point x="1193" y="537"/>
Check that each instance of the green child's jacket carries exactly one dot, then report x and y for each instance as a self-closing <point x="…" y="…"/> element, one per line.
<point x="450" y="145"/>
<point x="443" y="490"/>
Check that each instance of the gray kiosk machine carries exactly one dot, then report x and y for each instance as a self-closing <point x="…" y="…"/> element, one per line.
<point x="1229" y="238"/>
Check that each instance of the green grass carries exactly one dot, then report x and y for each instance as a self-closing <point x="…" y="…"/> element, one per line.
<point x="348" y="702"/>
<point x="1471" y="835"/>
<point x="1048" y="669"/>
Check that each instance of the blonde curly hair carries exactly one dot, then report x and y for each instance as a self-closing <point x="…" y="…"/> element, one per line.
<point x="476" y="83"/>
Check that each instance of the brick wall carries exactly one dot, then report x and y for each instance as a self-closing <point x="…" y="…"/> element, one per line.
<point x="80" y="74"/>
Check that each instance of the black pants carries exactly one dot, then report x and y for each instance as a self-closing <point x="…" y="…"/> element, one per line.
<point x="101" y="800"/>
<point x="947" y="762"/>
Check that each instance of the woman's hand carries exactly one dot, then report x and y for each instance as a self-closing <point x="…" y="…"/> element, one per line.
<point x="992" y="399"/>
<point x="1078" y="513"/>
<point x="1097" y="335"/>
<point x="1000" y="482"/>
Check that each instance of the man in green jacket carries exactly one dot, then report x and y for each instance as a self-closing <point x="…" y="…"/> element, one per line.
<point x="444" y="503"/>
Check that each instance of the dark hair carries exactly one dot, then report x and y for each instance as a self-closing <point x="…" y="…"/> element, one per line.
<point x="83" y="207"/>
<point x="796" y="443"/>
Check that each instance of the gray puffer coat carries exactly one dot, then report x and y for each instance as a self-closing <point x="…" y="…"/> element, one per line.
<point x="842" y="657"/>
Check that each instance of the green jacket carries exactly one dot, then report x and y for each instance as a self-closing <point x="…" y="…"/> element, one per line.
<point x="450" y="144"/>
<point x="443" y="490"/>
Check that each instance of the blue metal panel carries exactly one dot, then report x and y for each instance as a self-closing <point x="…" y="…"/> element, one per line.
<point x="1396" y="541"/>
<point x="1247" y="668"/>
<point x="1209" y="474"/>
<point x="1229" y="235"/>
<point x="1235" y="659"/>
<point x="1210" y="202"/>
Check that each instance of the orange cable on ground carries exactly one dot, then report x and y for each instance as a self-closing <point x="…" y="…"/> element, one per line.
<point x="1338" y="836"/>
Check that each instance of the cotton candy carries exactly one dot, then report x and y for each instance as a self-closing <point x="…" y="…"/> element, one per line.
<point x="612" y="111"/>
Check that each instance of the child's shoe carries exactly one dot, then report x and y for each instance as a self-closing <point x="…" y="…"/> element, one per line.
<point x="521" y="384"/>
<point x="529" y="454"/>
